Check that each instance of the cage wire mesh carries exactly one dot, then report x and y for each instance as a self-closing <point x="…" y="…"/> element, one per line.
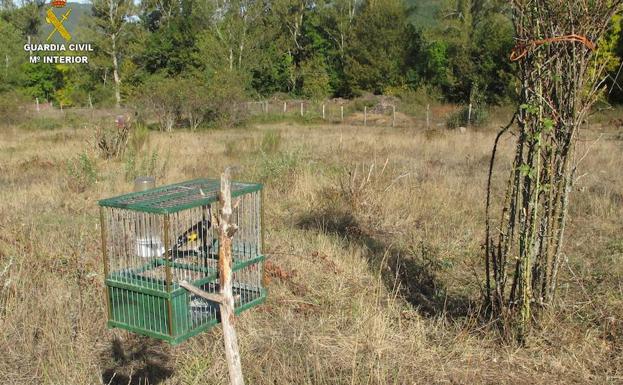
<point x="155" y="239"/>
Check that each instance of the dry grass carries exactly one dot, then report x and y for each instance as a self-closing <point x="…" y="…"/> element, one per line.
<point x="374" y="242"/>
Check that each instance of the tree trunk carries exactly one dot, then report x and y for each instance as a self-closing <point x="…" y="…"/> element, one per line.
<point x="115" y="66"/>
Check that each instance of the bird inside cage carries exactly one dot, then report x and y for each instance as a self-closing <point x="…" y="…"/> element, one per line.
<point x="195" y="241"/>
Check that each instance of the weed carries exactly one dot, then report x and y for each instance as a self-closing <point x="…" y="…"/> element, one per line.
<point x="81" y="173"/>
<point x="148" y="164"/>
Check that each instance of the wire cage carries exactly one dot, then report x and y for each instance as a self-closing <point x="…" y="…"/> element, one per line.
<point x="155" y="239"/>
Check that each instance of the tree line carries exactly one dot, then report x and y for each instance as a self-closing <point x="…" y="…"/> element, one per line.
<point x="224" y="50"/>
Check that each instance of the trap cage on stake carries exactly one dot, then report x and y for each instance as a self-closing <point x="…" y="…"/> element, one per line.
<point x="155" y="240"/>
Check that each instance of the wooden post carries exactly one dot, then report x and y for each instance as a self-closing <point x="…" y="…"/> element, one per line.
<point x="226" y="232"/>
<point x="322" y="111"/>
<point x="469" y="115"/>
<point x="285" y="107"/>
<point x="393" y="116"/>
<point x="37" y="102"/>
<point x="428" y="116"/>
<point x="342" y="112"/>
<point x="365" y="115"/>
<point x="301" y="108"/>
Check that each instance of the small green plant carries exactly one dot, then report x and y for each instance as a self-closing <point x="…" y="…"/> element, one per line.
<point x="149" y="164"/>
<point x="138" y="137"/>
<point x="81" y="173"/>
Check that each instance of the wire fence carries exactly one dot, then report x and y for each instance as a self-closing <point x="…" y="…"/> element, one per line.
<point x="351" y="112"/>
<point x="381" y="112"/>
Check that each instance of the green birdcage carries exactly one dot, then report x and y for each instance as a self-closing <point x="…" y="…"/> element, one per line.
<point x="154" y="240"/>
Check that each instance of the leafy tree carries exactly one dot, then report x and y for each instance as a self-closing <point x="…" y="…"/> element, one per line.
<point x="610" y="53"/>
<point x="111" y="18"/>
<point x="42" y="81"/>
<point x="26" y="18"/>
<point x="315" y="78"/>
<point x="376" y="56"/>
<point x="11" y="55"/>
<point x="469" y="50"/>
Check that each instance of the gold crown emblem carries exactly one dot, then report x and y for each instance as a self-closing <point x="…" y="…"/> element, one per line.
<point x="58" y="3"/>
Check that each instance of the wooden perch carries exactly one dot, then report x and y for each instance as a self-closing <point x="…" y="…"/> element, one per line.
<point x="203" y="294"/>
<point x="218" y="298"/>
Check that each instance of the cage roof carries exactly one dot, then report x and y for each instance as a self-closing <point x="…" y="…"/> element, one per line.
<point x="176" y="197"/>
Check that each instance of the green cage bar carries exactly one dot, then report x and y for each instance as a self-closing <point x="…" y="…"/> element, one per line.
<point x="154" y="239"/>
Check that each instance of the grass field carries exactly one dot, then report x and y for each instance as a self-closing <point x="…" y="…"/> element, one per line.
<point x="375" y="263"/>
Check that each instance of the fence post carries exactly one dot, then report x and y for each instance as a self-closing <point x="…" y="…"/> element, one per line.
<point x="365" y="115"/>
<point x="37" y="102"/>
<point x="393" y="116"/>
<point x="322" y="111"/>
<point x="342" y="113"/>
<point x="428" y="116"/>
<point x="469" y="115"/>
<point x="285" y="107"/>
<point x="301" y="108"/>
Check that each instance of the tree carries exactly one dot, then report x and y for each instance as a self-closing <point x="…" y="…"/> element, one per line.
<point x="315" y="78"/>
<point x="468" y="51"/>
<point x="376" y="56"/>
<point x="560" y="81"/>
<point x="111" y="18"/>
<point x="11" y="54"/>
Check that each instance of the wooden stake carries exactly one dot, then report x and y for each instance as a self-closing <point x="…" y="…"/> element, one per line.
<point x="428" y="116"/>
<point x="323" y="112"/>
<point x="301" y="108"/>
<point x="285" y="107"/>
<point x="226" y="232"/>
<point x="342" y="112"/>
<point x="393" y="116"/>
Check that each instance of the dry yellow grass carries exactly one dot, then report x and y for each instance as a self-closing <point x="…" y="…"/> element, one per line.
<point x="376" y="234"/>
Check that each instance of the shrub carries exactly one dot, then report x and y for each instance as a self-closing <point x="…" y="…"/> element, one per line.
<point x="226" y="90"/>
<point x="162" y="97"/>
<point x="112" y="140"/>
